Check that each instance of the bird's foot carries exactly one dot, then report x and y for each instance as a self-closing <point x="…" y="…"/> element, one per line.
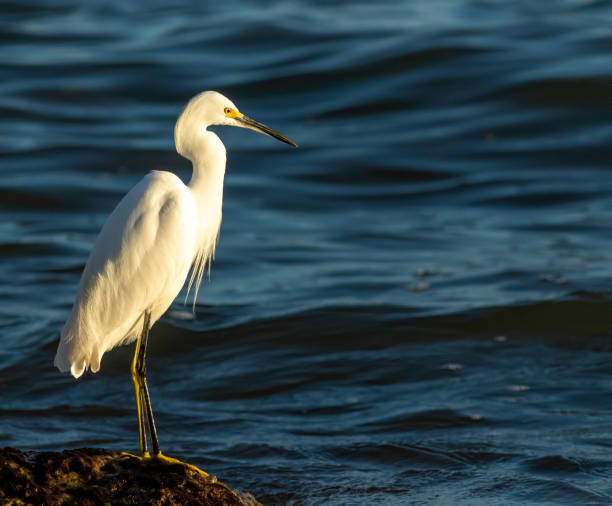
<point x="160" y="457"/>
<point x="127" y="456"/>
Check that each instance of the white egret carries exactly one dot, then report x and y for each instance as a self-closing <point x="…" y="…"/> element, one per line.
<point x="159" y="231"/>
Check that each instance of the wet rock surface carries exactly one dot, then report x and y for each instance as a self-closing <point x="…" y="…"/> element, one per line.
<point x="96" y="476"/>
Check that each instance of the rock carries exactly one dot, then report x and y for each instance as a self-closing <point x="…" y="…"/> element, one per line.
<point x="96" y="476"/>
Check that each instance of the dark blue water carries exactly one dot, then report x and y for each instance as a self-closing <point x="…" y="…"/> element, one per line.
<point x="415" y="307"/>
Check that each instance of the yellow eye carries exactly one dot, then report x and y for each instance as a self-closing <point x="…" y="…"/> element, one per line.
<point x="231" y="113"/>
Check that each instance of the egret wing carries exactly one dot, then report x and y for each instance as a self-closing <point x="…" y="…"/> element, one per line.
<point x="139" y="262"/>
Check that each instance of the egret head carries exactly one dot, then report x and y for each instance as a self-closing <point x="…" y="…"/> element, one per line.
<point x="212" y="108"/>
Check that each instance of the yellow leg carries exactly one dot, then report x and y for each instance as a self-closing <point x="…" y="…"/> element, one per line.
<point x="142" y="437"/>
<point x="141" y="377"/>
<point x="143" y="406"/>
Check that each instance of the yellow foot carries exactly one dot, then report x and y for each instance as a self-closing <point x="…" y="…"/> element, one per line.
<point x="126" y="455"/>
<point x="172" y="461"/>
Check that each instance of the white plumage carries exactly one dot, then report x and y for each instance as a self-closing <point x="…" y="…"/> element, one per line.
<point x="159" y="230"/>
<point x="139" y="261"/>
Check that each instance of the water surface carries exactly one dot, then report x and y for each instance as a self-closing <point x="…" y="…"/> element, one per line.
<point x="412" y="308"/>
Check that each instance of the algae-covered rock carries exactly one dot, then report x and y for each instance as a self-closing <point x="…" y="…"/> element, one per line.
<point x="95" y="476"/>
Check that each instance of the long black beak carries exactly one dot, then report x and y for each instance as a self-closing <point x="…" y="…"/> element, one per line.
<point x="260" y="127"/>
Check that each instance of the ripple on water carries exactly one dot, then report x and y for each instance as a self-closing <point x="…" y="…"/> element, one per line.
<point x="411" y="308"/>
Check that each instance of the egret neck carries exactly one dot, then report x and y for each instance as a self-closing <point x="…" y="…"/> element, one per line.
<point x="206" y="182"/>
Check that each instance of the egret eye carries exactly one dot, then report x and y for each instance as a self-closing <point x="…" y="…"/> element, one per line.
<point x="227" y="111"/>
